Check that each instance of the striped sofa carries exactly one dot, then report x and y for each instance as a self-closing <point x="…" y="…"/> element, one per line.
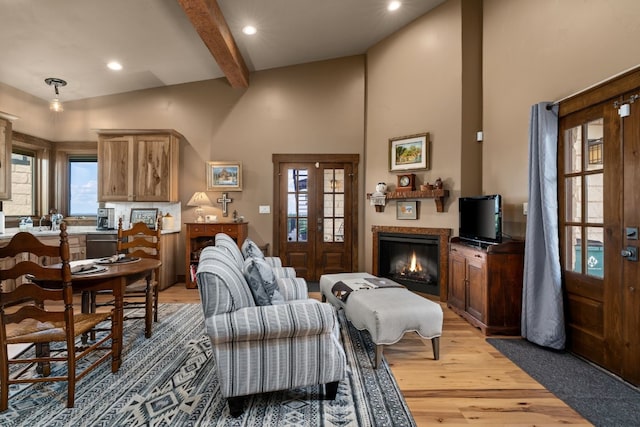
<point x="260" y="349"/>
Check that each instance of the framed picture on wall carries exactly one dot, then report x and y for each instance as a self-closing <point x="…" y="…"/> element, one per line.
<point x="407" y="209"/>
<point x="148" y="216"/>
<point x="409" y="152"/>
<point x="224" y="176"/>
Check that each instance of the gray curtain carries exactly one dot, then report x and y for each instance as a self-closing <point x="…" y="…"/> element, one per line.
<point x="542" y="307"/>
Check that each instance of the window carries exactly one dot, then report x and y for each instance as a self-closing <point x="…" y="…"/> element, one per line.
<point x="83" y="186"/>
<point x="23" y="184"/>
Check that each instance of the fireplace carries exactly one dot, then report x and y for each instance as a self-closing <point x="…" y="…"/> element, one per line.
<point x="416" y="257"/>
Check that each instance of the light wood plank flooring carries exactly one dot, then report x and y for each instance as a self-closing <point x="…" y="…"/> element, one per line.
<point x="471" y="384"/>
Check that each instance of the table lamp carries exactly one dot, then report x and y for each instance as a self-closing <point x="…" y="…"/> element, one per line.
<point x="199" y="199"/>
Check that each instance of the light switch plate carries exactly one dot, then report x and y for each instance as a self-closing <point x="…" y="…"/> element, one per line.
<point x="525" y="208"/>
<point x="264" y="209"/>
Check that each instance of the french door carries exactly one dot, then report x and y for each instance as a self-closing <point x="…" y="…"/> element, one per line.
<point x="315" y="222"/>
<point x="599" y="174"/>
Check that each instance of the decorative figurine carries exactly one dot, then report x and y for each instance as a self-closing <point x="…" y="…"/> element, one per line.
<point x="381" y="187"/>
<point x="438" y="184"/>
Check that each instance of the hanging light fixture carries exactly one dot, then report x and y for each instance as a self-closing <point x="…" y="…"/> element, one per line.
<point x="55" y="104"/>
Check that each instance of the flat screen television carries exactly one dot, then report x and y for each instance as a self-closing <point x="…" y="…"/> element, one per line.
<point x="481" y="219"/>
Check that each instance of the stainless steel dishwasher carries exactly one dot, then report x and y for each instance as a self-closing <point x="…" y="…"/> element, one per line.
<point x="101" y="245"/>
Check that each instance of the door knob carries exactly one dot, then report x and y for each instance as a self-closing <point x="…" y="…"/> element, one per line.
<point x="630" y="253"/>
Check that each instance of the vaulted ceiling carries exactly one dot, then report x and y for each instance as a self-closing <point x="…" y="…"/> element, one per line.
<point x="168" y="42"/>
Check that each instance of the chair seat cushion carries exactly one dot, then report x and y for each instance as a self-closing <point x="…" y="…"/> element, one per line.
<point x="32" y="331"/>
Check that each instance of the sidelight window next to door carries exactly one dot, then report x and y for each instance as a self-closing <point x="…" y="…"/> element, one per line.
<point x="584" y="201"/>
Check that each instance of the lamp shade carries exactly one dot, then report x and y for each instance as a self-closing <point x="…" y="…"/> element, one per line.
<point x="199" y="198"/>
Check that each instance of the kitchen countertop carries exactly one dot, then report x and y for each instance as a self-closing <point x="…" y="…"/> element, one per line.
<point x="10" y="232"/>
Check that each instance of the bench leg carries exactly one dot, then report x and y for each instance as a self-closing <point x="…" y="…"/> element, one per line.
<point x="236" y="406"/>
<point x="435" y="343"/>
<point x="331" y="390"/>
<point x="378" y="359"/>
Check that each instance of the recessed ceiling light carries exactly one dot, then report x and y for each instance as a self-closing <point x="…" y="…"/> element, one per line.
<point x="249" y="30"/>
<point x="394" y="5"/>
<point x="114" y="65"/>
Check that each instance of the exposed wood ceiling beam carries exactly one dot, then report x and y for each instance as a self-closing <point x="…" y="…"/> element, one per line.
<point x="207" y="19"/>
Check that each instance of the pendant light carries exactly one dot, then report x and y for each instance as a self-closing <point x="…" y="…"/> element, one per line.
<point x="55" y="104"/>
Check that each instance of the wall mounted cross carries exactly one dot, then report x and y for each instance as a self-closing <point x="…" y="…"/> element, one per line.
<point x="225" y="201"/>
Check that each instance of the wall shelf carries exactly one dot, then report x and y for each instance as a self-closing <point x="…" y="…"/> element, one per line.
<point x="438" y="194"/>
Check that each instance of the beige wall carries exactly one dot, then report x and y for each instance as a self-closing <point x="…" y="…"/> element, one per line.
<point x="309" y="108"/>
<point x="414" y="85"/>
<point x="543" y="50"/>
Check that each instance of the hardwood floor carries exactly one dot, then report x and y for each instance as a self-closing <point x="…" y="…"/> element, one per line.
<point x="471" y="384"/>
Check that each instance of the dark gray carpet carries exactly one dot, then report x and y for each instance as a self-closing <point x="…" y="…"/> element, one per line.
<point x="598" y="396"/>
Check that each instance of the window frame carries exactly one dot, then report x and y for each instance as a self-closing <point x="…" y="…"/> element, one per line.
<point x="41" y="150"/>
<point x="77" y="157"/>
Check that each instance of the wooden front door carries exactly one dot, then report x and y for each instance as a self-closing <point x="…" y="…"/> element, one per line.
<point x="315" y="222"/>
<point x="599" y="173"/>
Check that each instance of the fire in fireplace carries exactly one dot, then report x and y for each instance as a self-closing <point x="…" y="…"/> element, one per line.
<point x="416" y="257"/>
<point x="412" y="270"/>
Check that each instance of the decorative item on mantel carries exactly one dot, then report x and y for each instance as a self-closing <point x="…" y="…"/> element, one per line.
<point x="428" y="191"/>
<point x="379" y="198"/>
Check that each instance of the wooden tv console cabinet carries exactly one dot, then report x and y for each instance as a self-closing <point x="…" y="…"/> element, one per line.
<point x="485" y="285"/>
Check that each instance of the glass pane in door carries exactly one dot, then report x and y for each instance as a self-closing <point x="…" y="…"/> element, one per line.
<point x="573" y="245"/>
<point x="573" y="198"/>
<point x="333" y="198"/>
<point x="594" y="198"/>
<point x="594" y="259"/>
<point x="297" y="205"/>
<point x="595" y="145"/>
<point x="573" y="150"/>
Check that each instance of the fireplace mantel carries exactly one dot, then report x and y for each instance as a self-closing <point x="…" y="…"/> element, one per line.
<point x="443" y="235"/>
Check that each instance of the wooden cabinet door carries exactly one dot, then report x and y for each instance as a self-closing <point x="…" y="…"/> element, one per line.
<point x="115" y="168"/>
<point x="140" y="168"/>
<point x="476" y="287"/>
<point x="457" y="279"/>
<point x="156" y="168"/>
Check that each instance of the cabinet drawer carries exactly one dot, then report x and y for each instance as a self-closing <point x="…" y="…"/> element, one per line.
<point x="469" y="252"/>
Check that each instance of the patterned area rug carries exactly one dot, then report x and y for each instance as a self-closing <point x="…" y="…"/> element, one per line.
<point x="169" y="380"/>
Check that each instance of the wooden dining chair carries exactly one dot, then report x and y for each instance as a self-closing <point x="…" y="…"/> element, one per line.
<point x="26" y="319"/>
<point x="143" y="242"/>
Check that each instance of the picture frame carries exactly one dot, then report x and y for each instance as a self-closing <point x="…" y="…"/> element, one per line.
<point x="411" y="152"/>
<point x="224" y="176"/>
<point x="407" y="209"/>
<point x="147" y="215"/>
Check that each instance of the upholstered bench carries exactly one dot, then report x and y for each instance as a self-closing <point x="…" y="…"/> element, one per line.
<point x="386" y="313"/>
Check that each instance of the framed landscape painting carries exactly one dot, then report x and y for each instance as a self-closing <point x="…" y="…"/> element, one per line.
<point x="224" y="176"/>
<point x="407" y="209"/>
<point x="409" y="152"/>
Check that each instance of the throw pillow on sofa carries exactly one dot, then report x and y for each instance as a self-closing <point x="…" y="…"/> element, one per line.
<point x="251" y="250"/>
<point x="262" y="282"/>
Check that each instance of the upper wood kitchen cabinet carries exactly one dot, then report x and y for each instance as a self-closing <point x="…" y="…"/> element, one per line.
<point x="138" y="166"/>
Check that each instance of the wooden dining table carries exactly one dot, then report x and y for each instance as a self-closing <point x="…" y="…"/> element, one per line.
<point x="114" y="277"/>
